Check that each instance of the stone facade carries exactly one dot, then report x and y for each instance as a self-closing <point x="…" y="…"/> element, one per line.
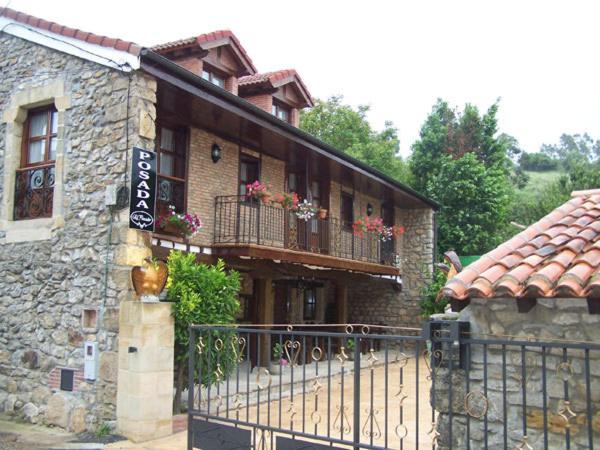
<point x="551" y="320"/>
<point x="78" y="261"/>
<point x="376" y="301"/>
<point x="64" y="278"/>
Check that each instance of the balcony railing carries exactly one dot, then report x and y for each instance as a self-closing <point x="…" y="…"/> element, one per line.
<point x="34" y="191"/>
<point x="248" y="221"/>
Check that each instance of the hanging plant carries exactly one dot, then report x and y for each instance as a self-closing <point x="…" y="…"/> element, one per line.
<point x="306" y="210"/>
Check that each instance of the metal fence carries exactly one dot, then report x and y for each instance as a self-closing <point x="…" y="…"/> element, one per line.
<point x="367" y="387"/>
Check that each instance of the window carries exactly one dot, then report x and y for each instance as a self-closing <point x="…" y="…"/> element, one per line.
<point x="34" y="184"/>
<point x="315" y="190"/>
<point x="249" y="172"/>
<point x="281" y="112"/>
<point x="310" y="303"/>
<point x="347" y="210"/>
<point x="213" y="78"/>
<point x="171" y="150"/>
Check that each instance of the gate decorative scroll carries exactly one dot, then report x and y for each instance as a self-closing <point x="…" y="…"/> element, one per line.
<point x="358" y="386"/>
<point x="324" y="392"/>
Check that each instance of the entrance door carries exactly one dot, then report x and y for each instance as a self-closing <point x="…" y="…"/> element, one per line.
<point x="281" y="304"/>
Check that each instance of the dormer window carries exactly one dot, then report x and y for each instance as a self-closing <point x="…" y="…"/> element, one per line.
<point x="209" y="75"/>
<point x="281" y="112"/>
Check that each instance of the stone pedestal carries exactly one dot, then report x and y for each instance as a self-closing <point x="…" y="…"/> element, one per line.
<point x="145" y="383"/>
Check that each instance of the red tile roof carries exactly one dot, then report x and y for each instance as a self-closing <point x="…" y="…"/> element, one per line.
<point x="275" y="79"/>
<point x="559" y="256"/>
<point x="56" y="28"/>
<point x="203" y="39"/>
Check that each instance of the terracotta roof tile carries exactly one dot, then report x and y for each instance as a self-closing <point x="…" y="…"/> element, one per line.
<point x="559" y="256"/>
<point x="272" y="78"/>
<point x="207" y="38"/>
<point x="493" y="273"/>
<point x="509" y="261"/>
<point x="56" y="28"/>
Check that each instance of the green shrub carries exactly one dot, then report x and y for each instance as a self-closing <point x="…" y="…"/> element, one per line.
<point x="429" y="303"/>
<point x="202" y="294"/>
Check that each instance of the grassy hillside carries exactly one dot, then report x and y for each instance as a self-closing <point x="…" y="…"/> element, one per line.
<point x="539" y="180"/>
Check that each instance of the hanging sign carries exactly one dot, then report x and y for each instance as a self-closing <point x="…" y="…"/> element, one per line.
<point x="142" y="198"/>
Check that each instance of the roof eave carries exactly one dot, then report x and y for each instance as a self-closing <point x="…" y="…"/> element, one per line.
<point x="184" y="74"/>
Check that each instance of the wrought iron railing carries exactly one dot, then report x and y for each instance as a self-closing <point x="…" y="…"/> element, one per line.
<point x="34" y="192"/>
<point x="239" y="220"/>
<point x="271" y="387"/>
<point x="340" y="386"/>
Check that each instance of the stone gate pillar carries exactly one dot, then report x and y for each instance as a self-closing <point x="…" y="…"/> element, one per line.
<point x="145" y="383"/>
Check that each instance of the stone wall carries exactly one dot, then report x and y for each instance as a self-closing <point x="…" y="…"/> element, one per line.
<point x="376" y="301"/>
<point x="551" y="320"/>
<point x="47" y="284"/>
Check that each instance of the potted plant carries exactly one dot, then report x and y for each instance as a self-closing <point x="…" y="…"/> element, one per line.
<point x="185" y="225"/>
<point x="359" y="227"/>
<point x="279" y="362"/>
<point x="288" y="200"/>
<point x="350" y="344"/>
<point x="306" y="210"/>
<point x="259" y="191"/>
<point x="387" y="233"/>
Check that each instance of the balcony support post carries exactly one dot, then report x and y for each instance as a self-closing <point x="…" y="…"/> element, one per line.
<point x="266" y="305"/>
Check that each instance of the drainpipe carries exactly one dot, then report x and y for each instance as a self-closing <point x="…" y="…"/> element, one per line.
<point x="435" y="238"/>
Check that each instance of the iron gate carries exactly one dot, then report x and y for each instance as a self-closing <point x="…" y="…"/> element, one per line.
<point x="360" y="386"/>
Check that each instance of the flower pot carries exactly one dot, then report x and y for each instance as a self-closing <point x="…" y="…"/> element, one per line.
<point x="173" y="230"/>
<point x="150" y="278"/>
<point x="322" y="214"/>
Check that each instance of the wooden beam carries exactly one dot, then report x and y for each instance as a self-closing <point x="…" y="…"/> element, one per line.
<point x="266" y="303"/>
<point x="341" y="299"/>
<point x="314" y="259"/>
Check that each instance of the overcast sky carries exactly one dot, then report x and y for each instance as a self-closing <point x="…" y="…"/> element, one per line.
<point x="540" y="57"/>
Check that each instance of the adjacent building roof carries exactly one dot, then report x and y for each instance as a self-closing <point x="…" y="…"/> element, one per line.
<point x="205" y="41"/>
<point x="275" y="79"/>
<point x="53" y="27"/>
<point x="559" y="256"/>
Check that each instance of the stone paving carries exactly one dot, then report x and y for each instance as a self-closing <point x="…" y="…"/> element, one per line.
<point x="289" y="411"/>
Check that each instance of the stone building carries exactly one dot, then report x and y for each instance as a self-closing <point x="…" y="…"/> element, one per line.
<point x="73" y="106"/>
<point x="542" y="288"/>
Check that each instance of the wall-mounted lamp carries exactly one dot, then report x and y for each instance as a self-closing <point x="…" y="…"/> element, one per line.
<point x="215" y="152"/>
<point x="369" y="209"/>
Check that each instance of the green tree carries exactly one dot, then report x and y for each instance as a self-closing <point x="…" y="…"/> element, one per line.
<point x="430" y="303"/>
<point x="573" y="150"/>
<point x="348" y="130"/>
<point x="201" y="294"/>
<point x="538" y="162"/>
<point x="460" y="161"/>
<point x="474" y="201"/>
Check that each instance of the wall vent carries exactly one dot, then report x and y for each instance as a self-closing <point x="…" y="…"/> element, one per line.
<point x="66" y="379"/>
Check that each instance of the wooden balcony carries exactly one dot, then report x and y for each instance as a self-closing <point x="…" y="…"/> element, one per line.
<point x="247" y="227"/>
